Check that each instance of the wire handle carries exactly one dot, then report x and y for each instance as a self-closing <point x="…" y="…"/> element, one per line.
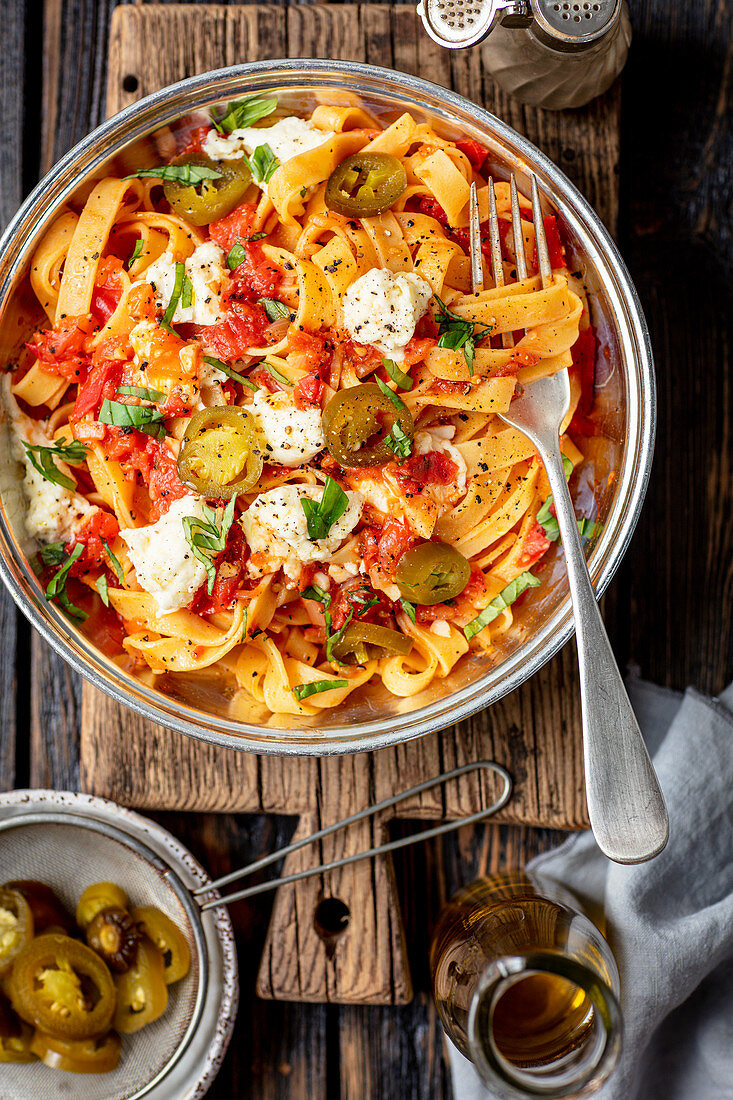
<point x="393" y="845"/>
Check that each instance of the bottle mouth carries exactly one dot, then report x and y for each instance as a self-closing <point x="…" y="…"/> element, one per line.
<point x="543" y="1025"/>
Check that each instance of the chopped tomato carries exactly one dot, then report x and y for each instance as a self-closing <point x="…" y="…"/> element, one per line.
<point x="461" y="237"/>
<point x="444" y="385"/>
<point x="102" y="383"/>
<point x="417" y="349"/>
<point x="108" y="289"/>
<point x="94" y="528"/>
<point x="584" y="368"/>
<point x="229" y="339"/>
<point x="316" y="350"/>
<point x="433" y="209"/>
<point x="62" y="350"/>
<point x="141" y="302"/>
<point x="230" y="572"/>
<point x="193" y="139"/>
<point x="433" y="468"/>
<point x="308" y="392"/>
<point x="236" y="226"/>
<point x="103" y="627"/>
<point x="554" y="244"/>
<point x="164" y="484"/>
<point x="254" y="278"/>
<point x="461" y="606"/>
<point x="383" y="547"/>
<point x="474" y="151"/>
<point x="353" y="596"/>
<point x="520" y="359"/>
<point x="536" y="543"/>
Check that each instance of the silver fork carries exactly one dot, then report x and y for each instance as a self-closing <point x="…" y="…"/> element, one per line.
<point x="625" y="805"/>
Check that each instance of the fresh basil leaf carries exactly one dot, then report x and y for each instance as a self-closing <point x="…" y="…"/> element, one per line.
<point x="56" y="588"/>
<point x="336" y="637"/>
<point x="389" y="393"/>
<point x="237" y="255"/>
<point x="102" y="587"/>
<point x="303" y="691"/>
<point x="187" y="174"/>
<point x="398" y="376"/>
<point x="321" y="515"/>
<point x="208" y="537"/>
<point x="114" y="560"/>
<point x="230" y="372"/>
<point x="567" y="466"/>
<point x="408" y="608"/>
<point x="142" y="393"/>
<point x="135" y="252"/>
<point x="263" y="164"/>
<point x="313" y="592"/>
<point x="457" y="333"/>
<point x="52" y="554"/>
<point x="399" y="441"/>
<point x="175" y="296"/>
<point x="276" y="311"/>
<point x="548" y="522"/>
<point x="500" y="603"/>
<point x="245" y="620"/>
<point x="42" y="459"/>
<point x="275" y="373"/>
<point x="257" y="236"/>
<point x="143" y="417"/>
<point x="187" y="293"/>
<point x="241" y="113"/>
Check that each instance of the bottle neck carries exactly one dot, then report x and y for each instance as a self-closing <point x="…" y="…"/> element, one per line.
<point x="543" y="1025"/>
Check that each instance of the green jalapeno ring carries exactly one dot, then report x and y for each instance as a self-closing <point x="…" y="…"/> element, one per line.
<point x="356" y="423"/>
<point x="212" y="198"/>
<point x="220" y="456"/>
<point x="365" y="184"/>
<point x="431" y="573"/>
<point x="367" y="641"/>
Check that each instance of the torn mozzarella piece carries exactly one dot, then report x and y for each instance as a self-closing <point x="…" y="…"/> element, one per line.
<point x="208" y="275"/>
<point x="276" y="529"/>
<point x="164" y="562"/>
<point x="287" y="138"/>
<point x="292" y="436"/>
<point x="382" y="309"/>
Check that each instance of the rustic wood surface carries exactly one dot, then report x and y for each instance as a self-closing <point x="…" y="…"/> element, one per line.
<point x="672" y="609"/>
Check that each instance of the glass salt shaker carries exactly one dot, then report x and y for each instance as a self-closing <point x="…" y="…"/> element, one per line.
<point x="546" y="53"/>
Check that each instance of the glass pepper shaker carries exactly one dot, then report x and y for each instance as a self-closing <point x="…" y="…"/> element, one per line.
<point x="526" y="987"/>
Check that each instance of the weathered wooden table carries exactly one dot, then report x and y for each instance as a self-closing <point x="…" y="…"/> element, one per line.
<point x="671" y="606"/>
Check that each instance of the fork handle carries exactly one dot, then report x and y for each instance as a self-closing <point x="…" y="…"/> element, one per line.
<point x="625" y="804"/>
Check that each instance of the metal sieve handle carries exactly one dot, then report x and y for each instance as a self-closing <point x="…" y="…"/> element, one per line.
<point x="426" y="834"/>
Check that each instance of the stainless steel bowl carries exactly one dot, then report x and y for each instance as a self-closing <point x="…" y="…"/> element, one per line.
<point x="202" y="708"/>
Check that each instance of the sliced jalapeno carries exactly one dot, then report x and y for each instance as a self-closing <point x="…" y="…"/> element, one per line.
<point x="168" y="938"/>
<point x="98" y="1055"/>
<point x="220" y="456"/>
<point x="364" y="642"/>
<point x="16" y="926"/>
<point x="204" y="202"/>
<point x="142" y="995"/>
<point x="98" y="896"/>
<point x="15" y="1036"/>
<point x="431" y="573"/>
<point x="356" y="423"/>
<point x="365" y="184"/>
<point x="114" y="936"/>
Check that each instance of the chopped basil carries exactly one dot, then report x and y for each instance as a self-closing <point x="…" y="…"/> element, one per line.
<point x="230" y="372"/>
<point x="313" y="592"/>
<point x="135" y="252"/>
<point x="275" y="373"/>
<point x="208" y="536"/>
<point x="245" y="620"/>
<point x="333" y="639"/>
<point x="52" y="554"/>
<point x="187" y="174"/>
<point x="500" y="603"/>
<point x="365" y="602"/>
<point x="276" y="311"/>
<point x="302" y="691"/>
<point x="42" y="459"/>
<point x="57" y="585"/>
<point x="187" y="293"/>
<point x="257" y="236"/>
<point x="263" y="164"/>
<point x="237" y="254"/>
<point x="243" y="112"/>
<point x="175" y="296"/>
<point x="103" y="588"/>
<point x="398" y="376"/>
<point x="114" y="562"/>
<point x="588" y="528"/>
<point x="457" y="333"/>
<point x="143" y="394"/>
<point x="396" y="401"/>
<point x="567" y="466"/>
<point x="321" y="515"/>
<point x="545" y="518"/>
<point x="143" y="417"/>
<point x="399" y="441"/>
<point x="409" y="609"/>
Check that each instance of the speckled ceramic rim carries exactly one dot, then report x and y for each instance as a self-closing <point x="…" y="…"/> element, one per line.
<point x="631" y="330"/>
<point x="197" y="1063"/>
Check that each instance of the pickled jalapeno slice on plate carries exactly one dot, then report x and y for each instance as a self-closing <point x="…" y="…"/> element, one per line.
<point x="220" y="455"/>
<point x="210" y="199"/>
<point x="356" y="423"/>
<point x="431" y="573"/>
<point x="365" y="184"/>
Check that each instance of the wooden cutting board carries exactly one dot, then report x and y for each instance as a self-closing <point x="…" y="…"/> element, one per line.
<point x="535" y="732"/>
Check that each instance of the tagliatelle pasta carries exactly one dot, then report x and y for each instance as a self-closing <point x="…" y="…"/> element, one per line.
<point x="261" y="431"/>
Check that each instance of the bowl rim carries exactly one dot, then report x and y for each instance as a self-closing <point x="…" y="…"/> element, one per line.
<point x="169" y="103"/>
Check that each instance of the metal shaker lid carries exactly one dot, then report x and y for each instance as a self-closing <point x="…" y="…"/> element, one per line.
<point x="573" y="23"/>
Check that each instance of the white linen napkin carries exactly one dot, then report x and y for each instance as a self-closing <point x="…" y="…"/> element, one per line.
<point x="670" y="921"/>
